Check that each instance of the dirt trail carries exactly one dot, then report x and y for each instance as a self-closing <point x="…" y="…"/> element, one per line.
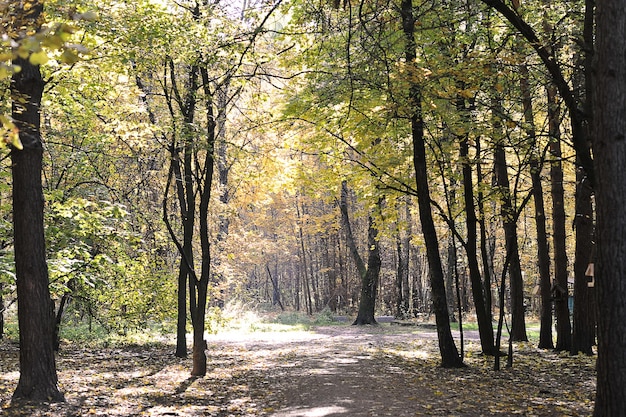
<point x="333" y="371"/>
<point x="340" y="371"/>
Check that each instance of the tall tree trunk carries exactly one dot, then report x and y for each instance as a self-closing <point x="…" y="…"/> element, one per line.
<point x="609" y="149"/>
<point x="559" y="291"/>
<point x="543" y="252"/>
<point x="483" y="314"/>
<point x="35" y="309"/>
<point x="199" y="289"/>
<point x="584" y="314"/>
<point x="518" y="322"/>
<point x="447" y="348"/>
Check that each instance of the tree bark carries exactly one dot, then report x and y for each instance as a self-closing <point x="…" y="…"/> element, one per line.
<point x="38" y="375"/>
<point x="609" y="150"/>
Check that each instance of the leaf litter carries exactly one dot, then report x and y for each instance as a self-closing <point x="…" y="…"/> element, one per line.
<point x="327" y="371"/>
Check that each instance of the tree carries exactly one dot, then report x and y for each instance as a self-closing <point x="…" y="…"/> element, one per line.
<point x="369" y="273"/>
<point x="447" y="348"/>
<point x="38" y="377"/>
<point x="509" y="220"/>
<point x="609" y="150"/>
<point x="543" y="252"/>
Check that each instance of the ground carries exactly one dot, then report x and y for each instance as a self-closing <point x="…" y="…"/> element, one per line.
<point x="326" y="371"/>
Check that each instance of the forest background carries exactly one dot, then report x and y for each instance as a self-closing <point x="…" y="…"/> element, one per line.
<point x="265" y="153"/>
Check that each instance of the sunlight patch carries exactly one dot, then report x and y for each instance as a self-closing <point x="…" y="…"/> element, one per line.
<point x="313" y="412"/>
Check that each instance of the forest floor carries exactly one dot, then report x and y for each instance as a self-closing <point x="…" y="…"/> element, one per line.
<point x="339" y="370"/>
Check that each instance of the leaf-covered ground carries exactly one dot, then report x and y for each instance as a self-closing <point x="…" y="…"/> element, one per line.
<point x="329" y="371"/>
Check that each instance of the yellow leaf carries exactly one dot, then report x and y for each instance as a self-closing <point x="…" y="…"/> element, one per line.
<point x="38" y="58"/>
<point x="14" y="136"/>
<point x="22" y="52"/>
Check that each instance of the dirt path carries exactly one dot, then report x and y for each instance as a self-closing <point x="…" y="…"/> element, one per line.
<point x="390" y="371"/>
<point x="334" y="371"/>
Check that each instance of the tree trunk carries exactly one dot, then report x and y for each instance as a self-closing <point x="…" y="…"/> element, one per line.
<point x="609" y="149"/>
<point x="305" y="271"/>
<point x="329" y="266"/>
<point x="367" y="273"/>
<point x="483" y="314"/>
<point x="543" y="252"/>
<point x="452" y="277"/>
<point x="181" y="314"/>
<point x="402" y="274"/>
<point x="198" y="291"/>
<point x="486" y="254"/>
<point x="559" y="291"/>
<point x="584" y="314"/>
<point x="509" y="220"/>
<point x="369" y="282"/>
<point x="583" y="335"/>
<point x="38" y="375"/>
<point x="447" y="348"/>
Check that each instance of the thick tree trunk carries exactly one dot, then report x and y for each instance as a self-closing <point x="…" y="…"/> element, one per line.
<point x="369" y="282"/>
<point x="38" y="376"/>
<point x="609" y="149"/>
<point x="447" y="348"/>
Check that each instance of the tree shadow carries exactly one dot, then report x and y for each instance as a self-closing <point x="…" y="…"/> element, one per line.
<point x="186" y="384"/>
